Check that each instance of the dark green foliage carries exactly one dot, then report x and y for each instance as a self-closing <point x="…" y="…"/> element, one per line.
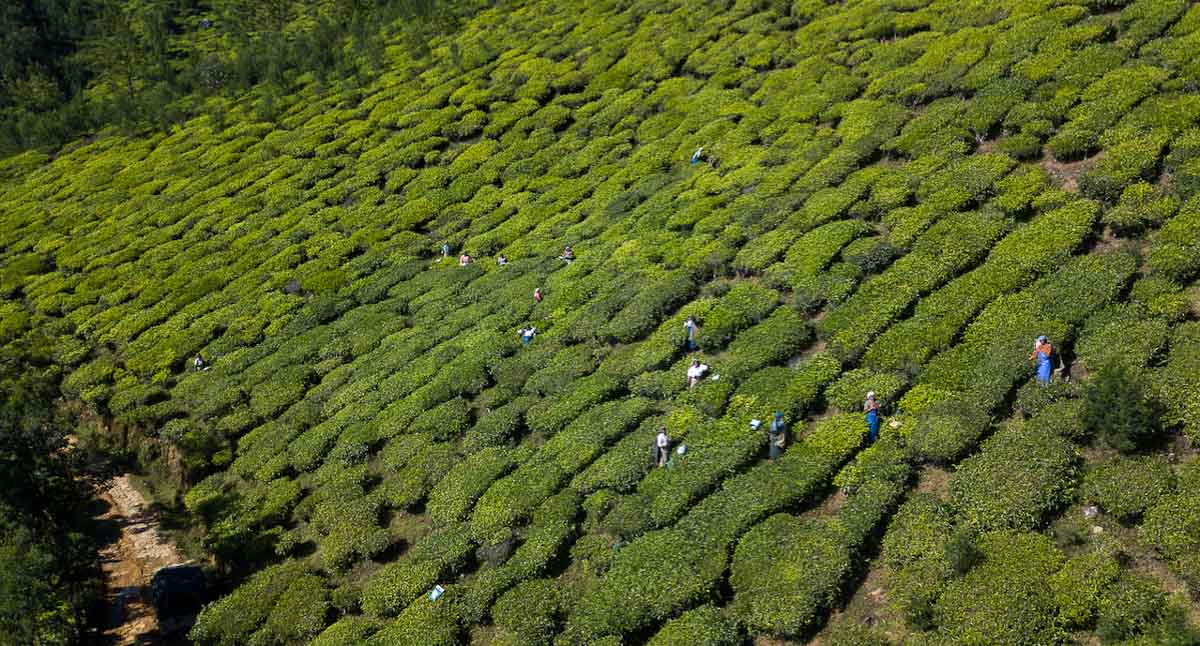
<point x="1119" y="410"/>
<point x="49" y="574"/>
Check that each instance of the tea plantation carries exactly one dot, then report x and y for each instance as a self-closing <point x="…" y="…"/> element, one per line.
<point x="894" y="196"/>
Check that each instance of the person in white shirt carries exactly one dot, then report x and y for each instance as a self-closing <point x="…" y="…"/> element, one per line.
<point x="695" y="372"/>
<point x="661" y="443"/>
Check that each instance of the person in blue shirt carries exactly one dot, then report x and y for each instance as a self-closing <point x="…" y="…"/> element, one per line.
<point x="698" y="155"/>
<point x="445" y="250"/>
<point x="1041" y="354"/>
<point x="690" y="327"/>
<point x="777" y="433"/>
<point x="871" y="408"/>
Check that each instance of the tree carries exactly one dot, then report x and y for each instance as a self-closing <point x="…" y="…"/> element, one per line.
<point x="1119" y="410"/>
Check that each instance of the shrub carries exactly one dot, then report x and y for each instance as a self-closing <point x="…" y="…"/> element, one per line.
<point x="1118" y="410"/>
<point x="665" y="571"/>
<point x="1129" y="607"/>
<point x="1179" y="380"/>
<point x="301" y="611"/>
<point x="703" y="626"/>
<point x="1122" y="333"/>
<point x="1160" y="297"/>
<point x="351" y="629"/>
<point x="529" y="612"/>
<point x="1141" y="207"/>
<point x="951" y="245"/>
<point x="779" y="338"/>
<point x="1170" y="527"/>
<point x="1173" y="248"/>
<point x="743" y="306"/>
<point x="1078" y="585"/>
<point x="552" y="529"/>
<point x="871" y="255"/>
<point x="1031" y="250"/>
<point x="916" y="557"/>
<point x="235" y="617"/>
<point x="444" y="552"/>
<point x="1032" y="398"/>
<point x="553" y="413"/>
<point x="500" y="426"/>
<point x="1017" y="478"/>
<point x="424" y="622"/>
<point x="1007" y="598"/>
<point x="512" y="498"/>
<point x="648" y="307"/>
<point x="850" y="391"/>
<point x="451" y="499"/>
<point x="948" y="429"/>
<point x="784" y="601"/>
<point x="622" y="466"/>
<point x="443" y="422"/>
<point x="1127" y="486"/>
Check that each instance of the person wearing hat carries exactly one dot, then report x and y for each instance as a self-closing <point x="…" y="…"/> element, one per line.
<point x="778" y="435"/>
<point x="871" y="408"/>
<point x="661" y="443"/>
<point x="1041" y="354"/>
<point x="689" y="326"/>
<point x="696" y="372"/>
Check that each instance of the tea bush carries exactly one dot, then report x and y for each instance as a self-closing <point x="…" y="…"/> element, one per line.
<point x="1007" y="597"/>
<point x="704" y="626"/>
<point x="1018" y="477"/>
<point x="858" y="220"/>
<point x="1127" y="486"/>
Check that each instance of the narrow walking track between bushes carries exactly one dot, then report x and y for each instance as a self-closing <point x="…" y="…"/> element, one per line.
<point x="133" y="548"/>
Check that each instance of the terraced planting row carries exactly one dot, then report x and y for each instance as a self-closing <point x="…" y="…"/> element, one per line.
<point x="892" y="196"/>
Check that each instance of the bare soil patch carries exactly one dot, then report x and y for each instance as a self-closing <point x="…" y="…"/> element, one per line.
<point x="1066" y="174"/>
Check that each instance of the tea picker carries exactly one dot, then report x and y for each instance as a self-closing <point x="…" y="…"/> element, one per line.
<point x="661" y="443"/>
<point x="690" y="327"/>
<point x="871" y="408"/>
<point x="777" y="433"/>
<point x="527" y="333"/>
<point x="698" y="155"/>
<point x="1041" y="354"/>
<point x="695" y="372"/>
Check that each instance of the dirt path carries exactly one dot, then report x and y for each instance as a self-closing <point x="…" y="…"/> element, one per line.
<point x="134" y="548"/>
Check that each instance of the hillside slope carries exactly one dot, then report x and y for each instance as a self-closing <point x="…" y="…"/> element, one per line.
<point x="893" y="195"/>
